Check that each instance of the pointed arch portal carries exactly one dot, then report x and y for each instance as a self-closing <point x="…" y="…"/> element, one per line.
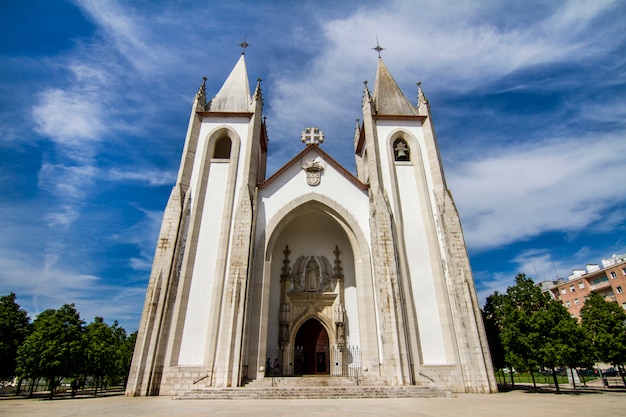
<point x="312" y="338"/>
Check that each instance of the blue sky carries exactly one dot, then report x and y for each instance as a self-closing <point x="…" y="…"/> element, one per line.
<point x="528" y="100"/>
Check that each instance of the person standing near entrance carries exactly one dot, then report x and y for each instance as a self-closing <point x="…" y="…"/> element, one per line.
<point x="276" y="366"/>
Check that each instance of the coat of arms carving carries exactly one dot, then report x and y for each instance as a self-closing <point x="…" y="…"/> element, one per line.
<point x="313" y="169"/>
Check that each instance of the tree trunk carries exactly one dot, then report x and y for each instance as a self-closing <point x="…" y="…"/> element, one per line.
<point x="584" y="380"/>
<point x="556" y="381"/>
<point x="51" y="382"/>
<point x="32" y="388"/>
<point x="95" y="393"/>
<point x="18" y="389"/>
<point x="532" y="375"/>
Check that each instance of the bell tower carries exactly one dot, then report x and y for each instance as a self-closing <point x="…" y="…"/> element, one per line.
<point x="418" y="247"/>
<point x="193" y="314"/>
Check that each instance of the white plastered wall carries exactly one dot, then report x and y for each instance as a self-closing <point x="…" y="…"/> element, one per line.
<point x="411" y="205"/>
<point x="214" y="220"/>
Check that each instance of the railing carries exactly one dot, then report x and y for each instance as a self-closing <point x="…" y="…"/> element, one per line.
<point x="333" y="361"/>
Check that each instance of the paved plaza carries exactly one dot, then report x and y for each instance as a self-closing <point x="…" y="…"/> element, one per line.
<point x="515" y="403"/>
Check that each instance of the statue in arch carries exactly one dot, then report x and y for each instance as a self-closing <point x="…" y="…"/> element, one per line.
<point x="312" y="275"/>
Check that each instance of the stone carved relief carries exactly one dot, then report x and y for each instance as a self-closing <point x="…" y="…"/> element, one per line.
<point x="312" y="274"/>
<point x="313" y="169"/>
<point x="312" y="287"/>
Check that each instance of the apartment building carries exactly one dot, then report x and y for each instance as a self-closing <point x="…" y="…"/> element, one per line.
<point x="609" y="280"/>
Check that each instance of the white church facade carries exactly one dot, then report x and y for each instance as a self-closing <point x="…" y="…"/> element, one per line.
<point x="312" y="270"/>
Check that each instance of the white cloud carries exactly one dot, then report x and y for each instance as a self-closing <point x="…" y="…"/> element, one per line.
<point x="62" y="216"/>
<point x="68" y="118"/>
<point x="151" y="177"/>
<point x="140" y="264"/>
<point x="41" y="284"/>
<point x="146" y="38"/>
<point x="67" y="182"/>
<point x="451" y="46"/>
<point x="524" y="191"/>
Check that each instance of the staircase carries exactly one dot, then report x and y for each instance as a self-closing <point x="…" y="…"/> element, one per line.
<point x="311" y="387"/>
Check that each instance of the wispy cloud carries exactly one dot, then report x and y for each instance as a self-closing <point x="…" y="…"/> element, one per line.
<point x="69" y="118"/>
<point x="151" y="177"/>
<point x="525" y="191"/>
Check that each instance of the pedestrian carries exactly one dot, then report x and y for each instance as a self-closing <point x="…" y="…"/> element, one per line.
<point x="276" y="366"/>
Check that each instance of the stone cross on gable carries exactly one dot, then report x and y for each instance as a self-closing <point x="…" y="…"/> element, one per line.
<point x="312" y="136"/>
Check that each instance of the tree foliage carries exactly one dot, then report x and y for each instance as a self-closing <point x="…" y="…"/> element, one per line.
<point x="61" y="345"/>
<point x="101" y="347"/>
<point x="492" y="319"/>
<point x="604" y="324"/>
<point x="124" y="355"/>
<point x="14" y="327"/>
<point x="535" y="330"/>
<point x="56" y="346"/>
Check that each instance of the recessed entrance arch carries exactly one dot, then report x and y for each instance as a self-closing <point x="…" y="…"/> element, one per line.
<point x="312" y="339"/>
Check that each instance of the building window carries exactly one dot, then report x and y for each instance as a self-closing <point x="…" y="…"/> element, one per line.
<point x="576" y="301"/>
<point x="624" y="306"/>
<point x="619" y="290"/>
<point x="571" y="288"/>
<point x="401" y="151"/>
<point x="567" y="304"/>
<point x="600" y="280"/>
<point x="623" y="271"/>
<point x="613" y="275"/>
<point x="563" y="291"/>
<point x="581" y="285"/>
<point x="222" y="148"/>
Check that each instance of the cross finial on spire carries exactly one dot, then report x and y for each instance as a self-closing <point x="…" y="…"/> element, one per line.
<point x="244" y="44"/>
<point x="378" y="48"/>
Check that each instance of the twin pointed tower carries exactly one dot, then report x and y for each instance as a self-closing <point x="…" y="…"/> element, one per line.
<point x="312" y="270"/>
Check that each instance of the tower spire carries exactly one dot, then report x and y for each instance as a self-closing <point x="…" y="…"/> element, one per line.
<point x="388" y="97"/>
<point x="234" y="96"/>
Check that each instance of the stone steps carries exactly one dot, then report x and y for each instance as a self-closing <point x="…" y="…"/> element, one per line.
<point x="302" y="381"/>
<point x="310" y="392"/>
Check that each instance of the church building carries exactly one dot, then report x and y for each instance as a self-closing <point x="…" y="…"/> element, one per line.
<point x="313" y="270"/>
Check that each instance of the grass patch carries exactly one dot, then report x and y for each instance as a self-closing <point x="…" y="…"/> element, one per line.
<point x="540" y="378"/>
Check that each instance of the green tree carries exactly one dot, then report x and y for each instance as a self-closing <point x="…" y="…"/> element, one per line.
<point x="521" y="327"/>
<point x="538" y="331"/>
<point x="604" y="324"/>
<point x="14" y="327"/>
<point x="492" y="318"/>
<point x="56" y="346"/>
<point x="101" y="348"/>
<point x="563" y="341"/>
<point x="125" y="356"/>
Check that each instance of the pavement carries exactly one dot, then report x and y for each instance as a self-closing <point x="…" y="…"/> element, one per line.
<point x="519" y="402"/>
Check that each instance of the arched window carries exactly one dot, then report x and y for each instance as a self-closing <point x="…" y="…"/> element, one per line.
<point x="222" y="148"/>
<point x="401" y="151"/>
